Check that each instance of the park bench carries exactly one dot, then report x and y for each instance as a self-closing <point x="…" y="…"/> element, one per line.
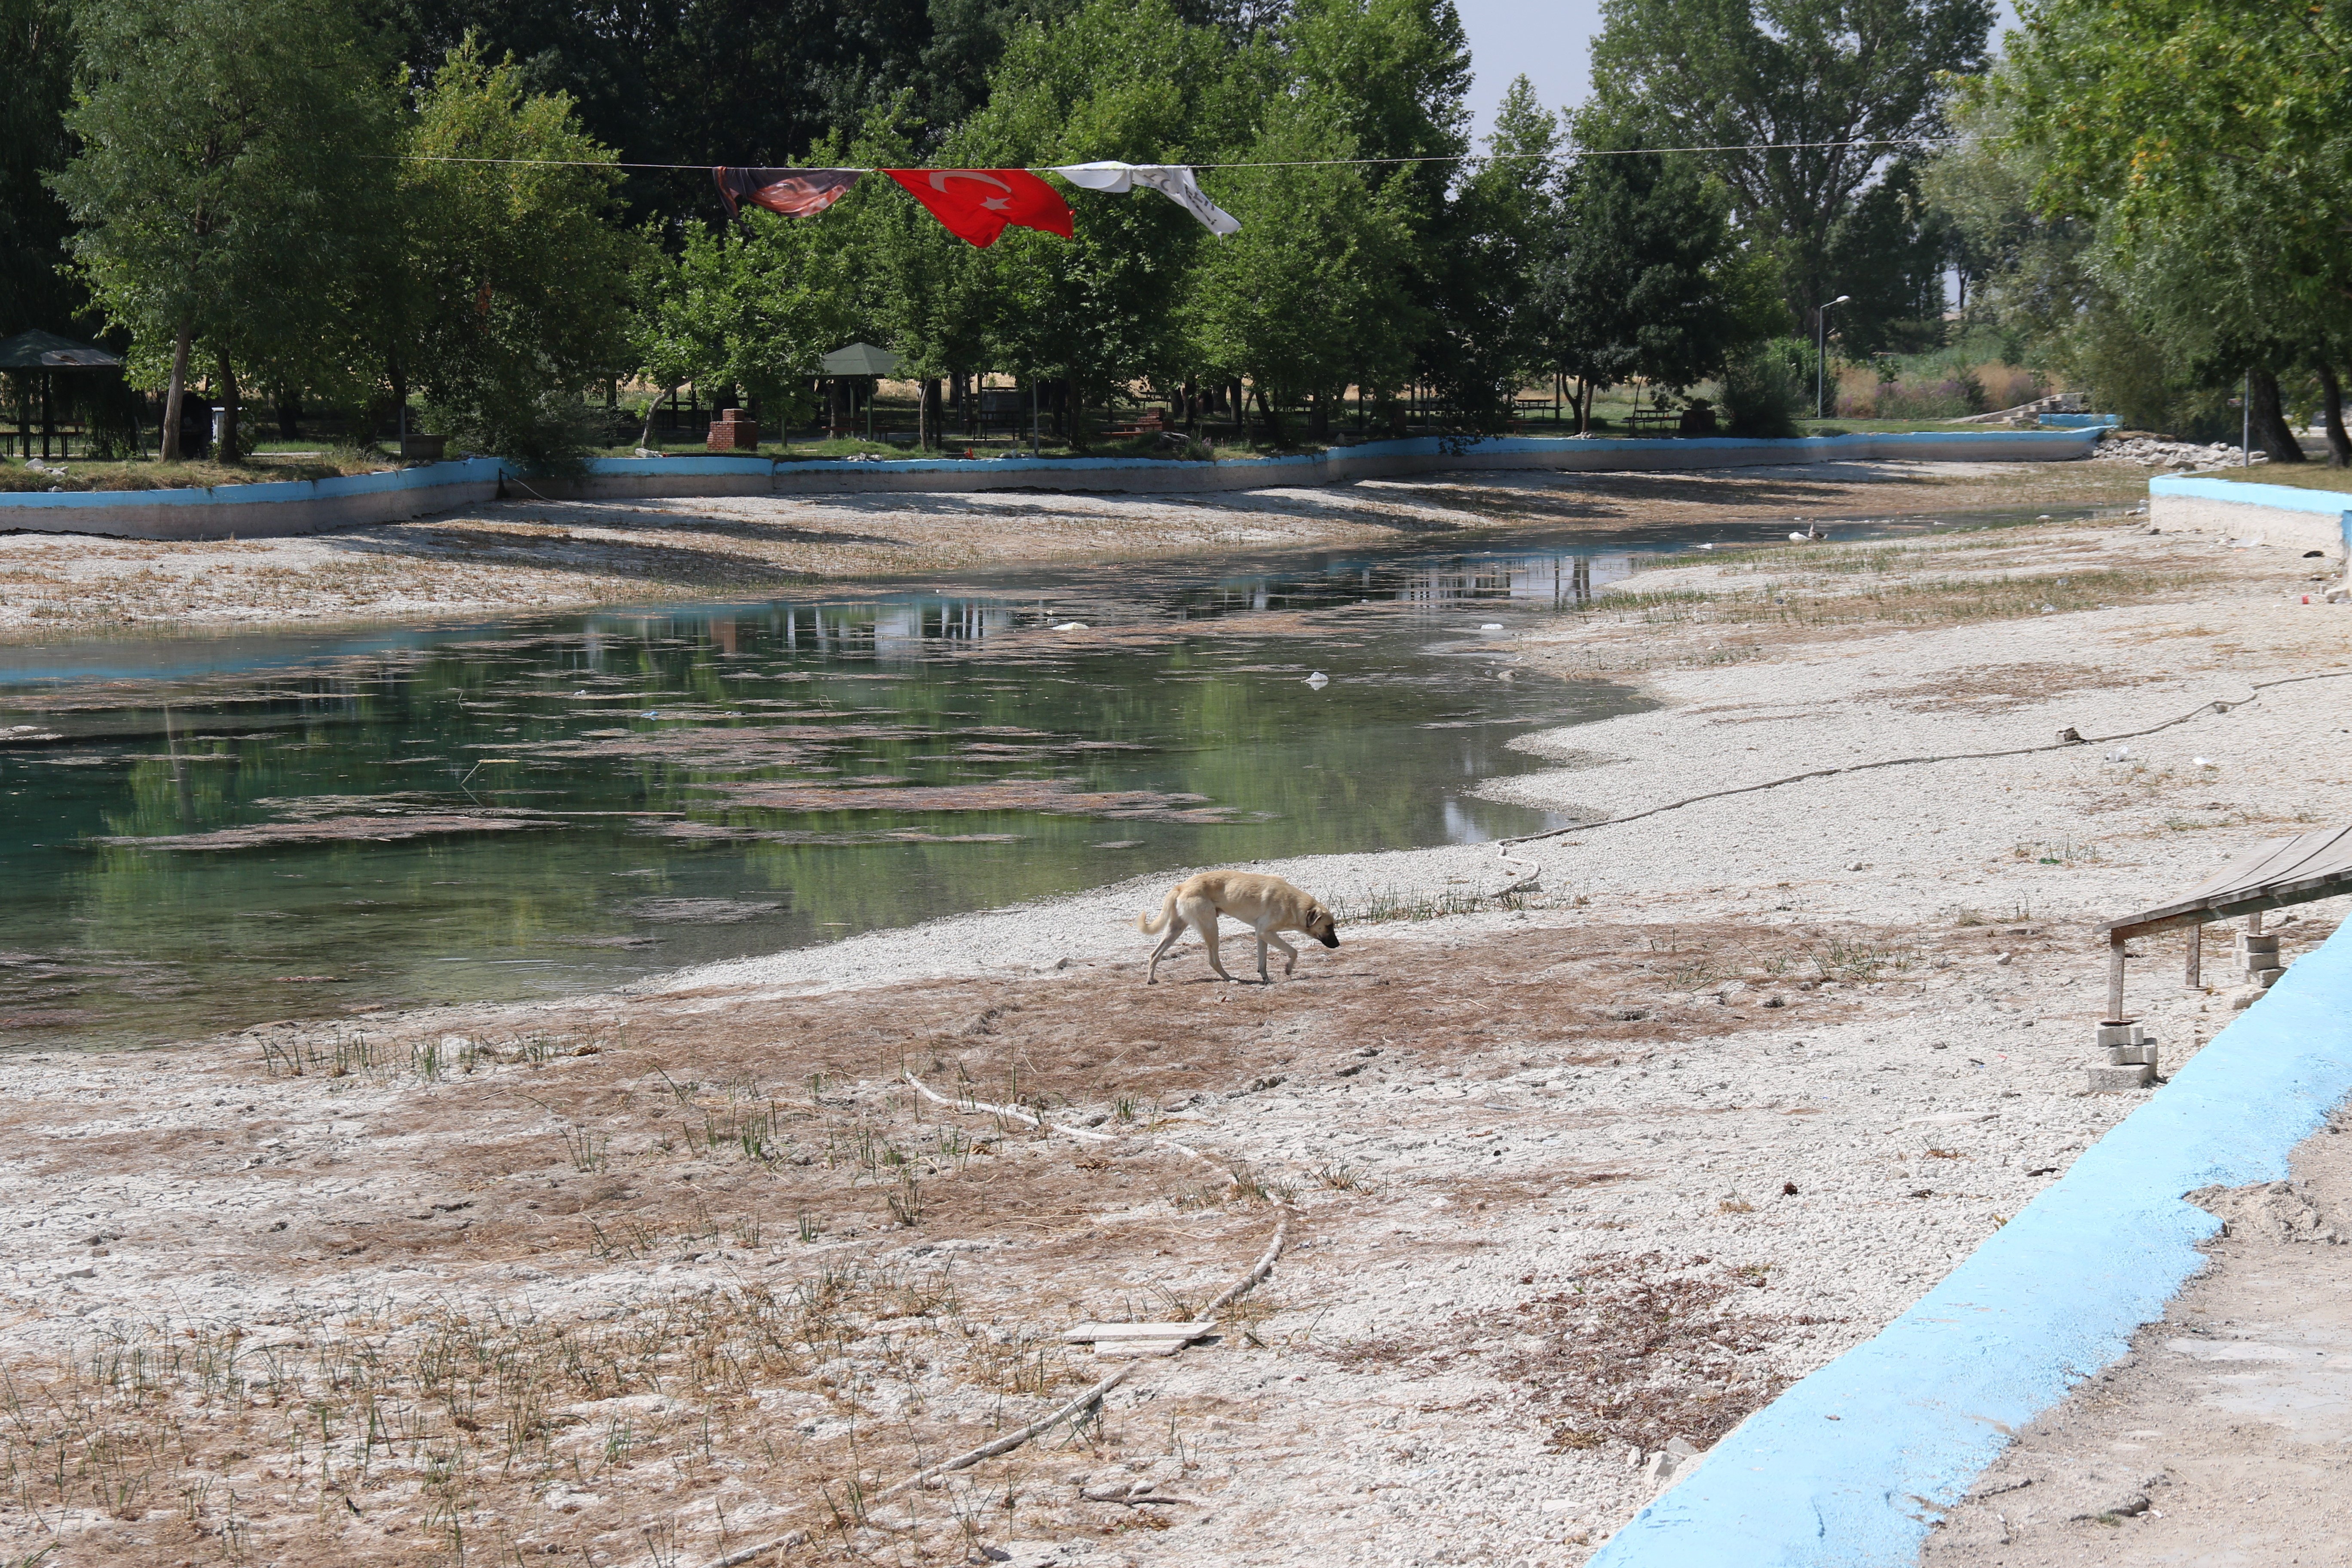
<point x="1150" y="422"/>
<point x="1670" y="420"/>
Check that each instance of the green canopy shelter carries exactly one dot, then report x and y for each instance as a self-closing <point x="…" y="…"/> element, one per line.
<point x="47" y="353"/>
<point x="860" y="361"/>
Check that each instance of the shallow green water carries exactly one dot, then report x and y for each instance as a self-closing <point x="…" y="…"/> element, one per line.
<point x="212" y="833"/>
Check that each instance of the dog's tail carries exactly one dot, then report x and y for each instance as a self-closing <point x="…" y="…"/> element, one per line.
<point x="1151" y="924"/>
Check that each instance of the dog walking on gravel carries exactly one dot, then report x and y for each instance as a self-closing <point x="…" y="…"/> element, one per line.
<point x="1264" y="904"/>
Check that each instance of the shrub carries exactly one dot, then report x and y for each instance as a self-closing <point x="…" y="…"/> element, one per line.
<point x="1761" y="395"/>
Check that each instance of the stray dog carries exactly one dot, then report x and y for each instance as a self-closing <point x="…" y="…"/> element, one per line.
<point x="1264" y="904"/>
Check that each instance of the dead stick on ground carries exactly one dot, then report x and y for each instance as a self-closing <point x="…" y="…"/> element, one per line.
<point x="1013" y="1110"/>
<point x="1013" y="1439"/>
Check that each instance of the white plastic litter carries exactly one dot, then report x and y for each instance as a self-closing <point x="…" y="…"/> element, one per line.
<point x="1319" y="679"/>
<point x="2204" y="762"/>
<point x="1073" y="627"/>
<point x="1490" y="626"/>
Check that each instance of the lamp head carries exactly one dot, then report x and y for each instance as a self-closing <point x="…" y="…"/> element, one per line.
<point x="1839" y="300"/>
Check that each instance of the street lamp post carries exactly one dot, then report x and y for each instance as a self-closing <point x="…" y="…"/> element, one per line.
<point x="1821" y="353"/>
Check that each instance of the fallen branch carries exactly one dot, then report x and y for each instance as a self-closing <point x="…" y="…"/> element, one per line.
<point x="1038" y="1122"/>
<point x="1084" y="1402"/>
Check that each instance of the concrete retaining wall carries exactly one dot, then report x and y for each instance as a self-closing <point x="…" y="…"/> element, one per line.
<point x="1849" y="1468"/>
<point x="269" y="510"/>
<point x="255" y="511"/>
<point x="2284" y="515"/>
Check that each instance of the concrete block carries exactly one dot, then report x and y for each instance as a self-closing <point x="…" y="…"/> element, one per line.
<point x="2114" y="1035"/>
<point x="2140" y="1055"/>
<point x="2265" y="978"/>
<point x="2135" y="1077"/>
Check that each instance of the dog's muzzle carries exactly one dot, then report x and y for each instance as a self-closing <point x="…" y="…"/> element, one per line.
<point x="1330" y="939"/>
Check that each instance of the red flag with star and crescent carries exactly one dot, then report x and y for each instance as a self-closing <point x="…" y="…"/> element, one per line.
<point x="978" y="204"/>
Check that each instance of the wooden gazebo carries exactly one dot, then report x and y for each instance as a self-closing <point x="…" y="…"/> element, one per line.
<point x="46" y="355"/>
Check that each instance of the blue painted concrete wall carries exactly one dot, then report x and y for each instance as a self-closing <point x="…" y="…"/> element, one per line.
<point x="2247" y="492"/>
<point x="2048" y="1300"/>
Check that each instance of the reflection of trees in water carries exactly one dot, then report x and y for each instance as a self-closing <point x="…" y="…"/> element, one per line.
<point x="854" y="766"/>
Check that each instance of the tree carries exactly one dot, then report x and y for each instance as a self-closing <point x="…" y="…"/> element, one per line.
<point x="231" y="156"/>
<point x="1488" y="331"/>
<point x="1808" y="101"/>
<point x="2204" y="145"/>
<point x="1125" y="80"/>
<point x="518" y="276"/>
<point x="1644" y="278"/>
<point x="37" y="62"/>
<point x="728" y="81"/>
<point x="1313" y="292"/>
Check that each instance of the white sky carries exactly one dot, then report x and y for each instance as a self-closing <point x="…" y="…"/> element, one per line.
<point x="1550" y="41"/>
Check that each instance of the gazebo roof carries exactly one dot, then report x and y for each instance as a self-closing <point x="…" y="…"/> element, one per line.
<point x="38" y="350"/>
<point x="861" y="359"/>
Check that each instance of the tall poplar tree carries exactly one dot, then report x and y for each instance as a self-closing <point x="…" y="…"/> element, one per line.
<point x="1807" y="104"/>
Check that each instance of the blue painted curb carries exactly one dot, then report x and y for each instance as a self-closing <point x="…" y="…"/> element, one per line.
<point x="424" y="477"/>
<point x="2078" y="421"/>
<point x="2285" y="497"/>
<point x="2047" y="1300"/>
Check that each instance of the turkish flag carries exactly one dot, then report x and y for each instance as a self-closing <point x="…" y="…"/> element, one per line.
<point x="977" y="205"/>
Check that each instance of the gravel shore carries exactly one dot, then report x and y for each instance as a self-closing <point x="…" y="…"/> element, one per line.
<point x="1574" y="1180"/>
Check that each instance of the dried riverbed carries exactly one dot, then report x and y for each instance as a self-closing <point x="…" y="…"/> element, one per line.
<point x="531" y="555"/>
<point x="693" y="1267"/>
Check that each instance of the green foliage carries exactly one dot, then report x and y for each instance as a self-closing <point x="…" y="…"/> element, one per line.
<point x="219" y="187"/>
<point x="1125" y="79"/>
<point x="1492" y="324"/>
<point x="37" y="63"/>
<point x="2198" y="150"/>
<point x="1762" y="394"/>
<point x="736" y="81"/>
<point x="1646" y="280"/>
<point x="1771" y="82"/>
<point x="516" y="278"/>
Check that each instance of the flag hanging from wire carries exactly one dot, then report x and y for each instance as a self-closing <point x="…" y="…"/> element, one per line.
<point x="1174" y="181"/>
<point x="978" y="204"/>
<point x="796" y="192"/>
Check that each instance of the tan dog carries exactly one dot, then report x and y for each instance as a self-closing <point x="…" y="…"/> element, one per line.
<point x="1264" y="904"/>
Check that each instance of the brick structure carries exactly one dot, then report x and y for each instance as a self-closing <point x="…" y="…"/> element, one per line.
<point x="734" y="431"/>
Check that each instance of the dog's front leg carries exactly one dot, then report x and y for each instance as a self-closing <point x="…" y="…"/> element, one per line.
<point x="1290" y="954"/>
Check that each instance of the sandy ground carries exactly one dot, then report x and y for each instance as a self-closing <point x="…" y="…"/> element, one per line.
<point x="669" y="1274"/>
<point x="2222" y="1437"/>
<point x="532" y="556"/>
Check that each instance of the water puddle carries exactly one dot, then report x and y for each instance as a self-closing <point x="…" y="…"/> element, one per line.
<point x="203" y="834"/>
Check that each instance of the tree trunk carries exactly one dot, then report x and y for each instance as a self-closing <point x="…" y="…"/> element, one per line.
<point x="2270" y="422"/>
<point x="232" y="442"/>
<point x="2339" y="444"/>
<point x="646" y="435"/>
<point x="1265" y="411"/>
<point x="927" y="414"/>
<point x="1318" y="419"/>
<point x="399" y="408"/>
<point x="176" y="392"/>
